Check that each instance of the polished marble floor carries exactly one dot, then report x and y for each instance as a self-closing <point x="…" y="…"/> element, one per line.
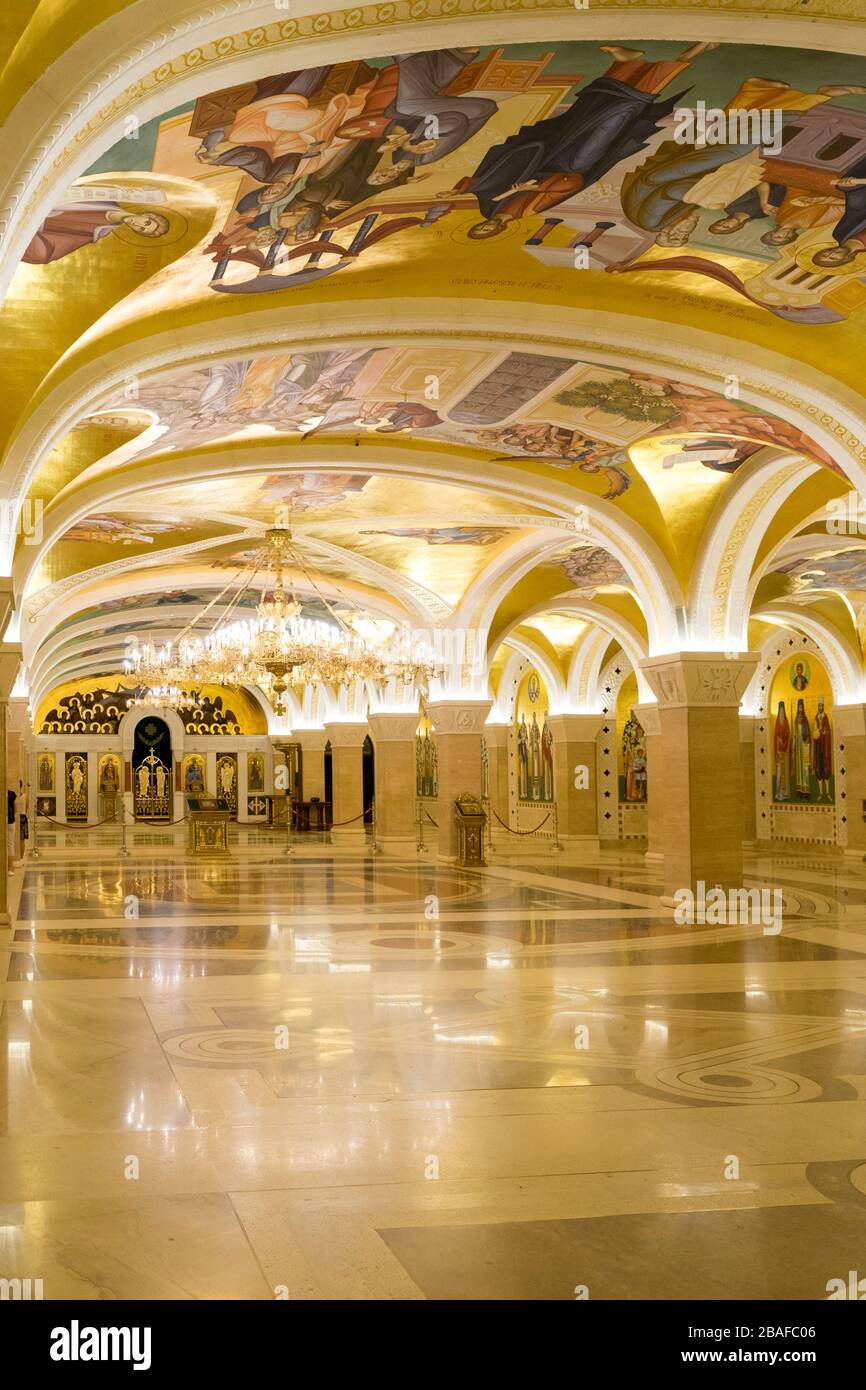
<point x="331" y="1075"/>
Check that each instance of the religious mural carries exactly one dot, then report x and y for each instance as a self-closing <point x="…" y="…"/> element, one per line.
<point x="76" y="786"/>
<point x="843" y="570"/>
<point x="534" y="741"/>
<point x="560" y="411"/>
<point x="227" y="781"/>
<point x="589" y="567"/>
<point x="255" y="772"/>
<point x="193" y="774"/>
<point x="631" y="745"/>
<point x="95" y="711"/>
<point x="108" y="774"/>
<point x="94" y="708"/>
<point x="801" y="702"/>
<point x="446" y="535"/>
<point x="84" y="222"/>
<point x="426" y="760"/>
<point x="668" y="160"/>
<point x="120" y="530"/>
<point x="45" y="773"/>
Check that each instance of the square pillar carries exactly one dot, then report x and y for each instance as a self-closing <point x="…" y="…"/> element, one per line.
<point x="747" y="769"/>
<point x="850" y="756"/>
<point x="459" y="727"/>
<point x="347" y="783"/>
<point x="574" y="771"/>
<point x="4" y="889"/>
<point x="655" y="780"/>
<point x="312" y="743"/>
<point x="393" y="738"/>
<point x="698" y="695"/>
<point x="10" y="660"/>
<point x="496" y="737"/>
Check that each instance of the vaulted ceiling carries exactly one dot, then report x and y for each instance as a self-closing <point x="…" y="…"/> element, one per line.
<point x="475" y="300"/>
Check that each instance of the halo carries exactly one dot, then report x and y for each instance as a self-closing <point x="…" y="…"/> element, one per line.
<point x="518" y="230"/>
<point x="178" y="226"/>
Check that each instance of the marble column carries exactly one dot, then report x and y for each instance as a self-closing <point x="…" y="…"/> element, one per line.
<point x="4" y="902"/>
<point x="849" y="753"/>
<point x="574" y="767"/>
<point x="459" y="727"/>
<point x="747" y="771"/>
<point x="393" y="738"/>
<point x="347" y="782"/>
<point x="496" y="738"/>
<point x="10" y="661"/>
<point x="698" y="695"/>
<point x="655" y="774"/>
<point x="312" y="743"/>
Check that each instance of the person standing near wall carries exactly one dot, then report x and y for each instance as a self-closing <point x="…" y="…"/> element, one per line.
<point x="23" y="817"/>
<point x="11" y="829"/>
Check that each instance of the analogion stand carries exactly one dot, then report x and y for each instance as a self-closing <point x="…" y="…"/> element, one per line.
<point x="208" y="827"/>
<point x="471" y="819"/>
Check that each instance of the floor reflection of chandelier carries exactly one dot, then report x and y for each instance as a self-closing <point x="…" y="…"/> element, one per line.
<point x="278" y="647"/>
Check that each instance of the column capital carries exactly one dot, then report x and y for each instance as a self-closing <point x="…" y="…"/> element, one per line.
<point x="10" y="660"/>
<point x="345" y="735"/>
<point x="311" y="740"/>
<point x="648" y="714"/>
<point x="459" y="716"/>
<point x="576" y="728"/>
<point x="496" y="735"/>
<point x="709" y="680"/>
<point x="393" y="728"/>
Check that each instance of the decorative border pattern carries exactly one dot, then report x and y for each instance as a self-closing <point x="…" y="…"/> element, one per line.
<point x="608" y="818"/>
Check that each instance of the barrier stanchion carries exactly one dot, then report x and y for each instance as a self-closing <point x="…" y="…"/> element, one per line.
<point x="557" y="843"/>
<point x="490" y="845"/>
<point x="374" y="843"/>
<point x="34" y="853"/>
<point x="290" y="848"/>
<point x="124" y="848"/>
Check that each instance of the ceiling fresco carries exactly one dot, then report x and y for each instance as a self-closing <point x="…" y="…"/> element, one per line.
<point x="539" y="151"/>
<point x="207" y="315"/>
<point x="602" y="423"/>
<point x="840" y="570"/>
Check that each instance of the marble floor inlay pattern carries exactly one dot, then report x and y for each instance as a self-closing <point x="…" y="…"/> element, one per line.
<point x="351" y="1077"/>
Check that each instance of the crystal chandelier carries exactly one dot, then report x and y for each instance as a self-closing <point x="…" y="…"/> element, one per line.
<point x="166" y="697"/>
<point x="278" y="647"/>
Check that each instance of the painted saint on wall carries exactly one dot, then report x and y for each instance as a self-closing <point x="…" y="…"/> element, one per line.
<point x="802" y="740"/>
<point x="782" y="756"/>
<point x="46" y="772"/>
<point x="534" y="739"/>
<point x="634" y="759"/>
<point x="426" y="760"/>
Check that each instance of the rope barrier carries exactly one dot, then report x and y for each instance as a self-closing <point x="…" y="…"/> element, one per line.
<point x="347" y="822"/>
<point x="67" y="825"/>
<point x="109" y="820"/>
<point x="533" y="831"/>
<point x="433" y="822"/>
